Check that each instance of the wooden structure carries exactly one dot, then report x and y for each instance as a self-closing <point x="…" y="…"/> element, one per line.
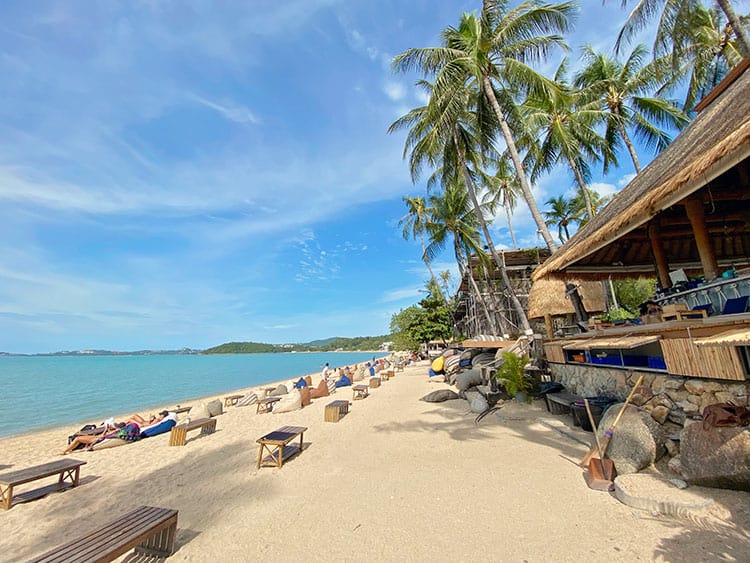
<point x="231" y="400"/>
<point x="360" y="392"/>
<point x="67" y="471"/>
<point x="178" y="434"/>
<point x="150" y="530"/>
<point x="180" y="410"/>
<point x="266" y="405"/>
<point x="277" y="445"/>
<point x="549" y="300"/>
<point x="336" y="409"/>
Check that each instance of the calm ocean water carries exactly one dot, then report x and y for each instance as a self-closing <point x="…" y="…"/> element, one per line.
<point x="43" y="391"/>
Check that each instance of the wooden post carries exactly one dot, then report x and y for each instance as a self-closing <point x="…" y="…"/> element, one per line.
<point x="662" y="266"/>
<point x="694" y="208"/>
<point x="548" y="325"/>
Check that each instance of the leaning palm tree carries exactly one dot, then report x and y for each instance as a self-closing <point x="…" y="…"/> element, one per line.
<point x="562" y="213"/>
<point x="414" y="224"/>
<point x="623" y="90"/>
<point x="490" y="55"/>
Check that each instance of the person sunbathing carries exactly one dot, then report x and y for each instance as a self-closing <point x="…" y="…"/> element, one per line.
<point x="88" y="440"/>
<point x="140" y="421"/>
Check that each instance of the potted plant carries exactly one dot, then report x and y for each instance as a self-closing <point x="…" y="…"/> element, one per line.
<point x="511" y="375"/>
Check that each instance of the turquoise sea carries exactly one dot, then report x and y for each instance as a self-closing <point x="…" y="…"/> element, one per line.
<point x="38" y="392"/>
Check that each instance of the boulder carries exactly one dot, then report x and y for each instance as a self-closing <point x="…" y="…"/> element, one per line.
<point x="215" y="408"/>
<point x="280" y="390"/>
<point x="716" y="457"/>
<point x="637" y="442"/>
<point x="439" y="396"/>
<point x="479" y="404"/>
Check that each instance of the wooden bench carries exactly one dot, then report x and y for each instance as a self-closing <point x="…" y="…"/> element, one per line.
<point x="178" y="435"/>
<point x="559" y="403"/>
<point x="360" y="392"/>
<point x="149" y="529"/>
<point x="67" y="470"/>
<point x="266" y="405"/>
<point x="231" y="400"/>
<point x="180" y="410"/>
<point x="336" y="409"/>
<point x="277" y="445"/>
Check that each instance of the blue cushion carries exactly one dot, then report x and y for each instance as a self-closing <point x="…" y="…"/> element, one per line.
<point x="736" y="305"/>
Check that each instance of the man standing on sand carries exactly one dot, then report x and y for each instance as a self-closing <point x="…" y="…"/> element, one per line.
<point x="324" y="373"/>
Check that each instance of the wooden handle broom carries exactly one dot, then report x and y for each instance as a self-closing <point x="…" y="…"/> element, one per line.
<point x="608" y="433"/>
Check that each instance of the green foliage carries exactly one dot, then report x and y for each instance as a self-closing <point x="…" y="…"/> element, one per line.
<point x="430" y="320"/>
<point x="618" y="315"/>
<point x="632" y="292"/>
<point x="327" y="345"/>
<point x="511" y="375"/>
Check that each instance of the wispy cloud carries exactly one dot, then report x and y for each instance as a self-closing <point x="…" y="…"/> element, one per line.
<point x="228" y="109"/>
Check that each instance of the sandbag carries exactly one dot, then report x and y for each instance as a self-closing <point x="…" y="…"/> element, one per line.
<point x="469" y="378"/>
<point x="438" y="364"/>
<point x="215" y="408"/>
<point x="292" y="402"/>
<point x="439" y="396"/>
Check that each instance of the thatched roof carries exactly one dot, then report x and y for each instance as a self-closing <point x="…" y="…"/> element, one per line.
<point x="710" y="160"/>
<point x="547" y="297"/>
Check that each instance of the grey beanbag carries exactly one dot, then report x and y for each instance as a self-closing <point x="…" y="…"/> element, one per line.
<point x="215" y="407"/>
<point x="439" y="396"/>
<point x="469" y="378"/>
<point x="280" y="390"/>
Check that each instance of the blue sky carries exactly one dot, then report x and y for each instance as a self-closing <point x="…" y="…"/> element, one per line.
<point x="182" y="174"/>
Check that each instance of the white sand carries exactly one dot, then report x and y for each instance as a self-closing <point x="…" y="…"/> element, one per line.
<point x="396" y="479"/>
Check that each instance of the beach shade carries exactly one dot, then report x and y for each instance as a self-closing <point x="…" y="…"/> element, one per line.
<point x="547" y="298"/>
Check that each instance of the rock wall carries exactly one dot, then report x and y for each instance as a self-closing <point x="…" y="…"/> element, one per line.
<point x="668" y="398"/>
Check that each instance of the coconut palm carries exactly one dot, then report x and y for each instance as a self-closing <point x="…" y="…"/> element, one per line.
<point x="502" y="188"/>
<point x="414" y="224"/>
<point x="562" y="213"/>
<point x="623" y="90"/>
<point x="579" y="206"/>
<point x="490" y="55"/>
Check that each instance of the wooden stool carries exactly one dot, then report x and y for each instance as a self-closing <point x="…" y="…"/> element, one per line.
<point x="335" y="410"/>
<point x="374" y="382"/>
<point x="360" y="392"/>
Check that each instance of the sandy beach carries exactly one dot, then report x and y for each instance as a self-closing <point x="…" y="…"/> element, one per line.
<point x="396" y="479"/>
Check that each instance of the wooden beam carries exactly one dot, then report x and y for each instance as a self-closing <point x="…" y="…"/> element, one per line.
<point x="694" y="209"/>
<point x="657" y="249"/>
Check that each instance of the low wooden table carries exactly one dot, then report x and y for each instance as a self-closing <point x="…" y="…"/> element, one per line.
<point x="360" y="392"/>
<point x="180" y="410"/>
<point x="277" y="445"/>
<point x="374" y="382"/>
<point x="178" y="434"/>
<point x="68" y="471"/>
<point x="266" y="405"/>
<point x="231" y="400"/>
<point x="336" y="409"/>
<point x="149" y="529"/>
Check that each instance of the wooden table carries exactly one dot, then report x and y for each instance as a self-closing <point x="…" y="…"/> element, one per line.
<point x="277" y="445"/>
<point x="336" y="409"/>
<point x="68" y="471"/>
<point x="231" y="400"/>
<point x="267" y="391"/>
<point x="374" y="382"/>
<point x="178" y="434"/>
<point x="266" y="405"/>
<point x="360" y="392"/>
<point x="180" y="410"/>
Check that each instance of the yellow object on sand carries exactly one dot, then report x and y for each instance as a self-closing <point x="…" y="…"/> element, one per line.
<point x="437" y="365"/>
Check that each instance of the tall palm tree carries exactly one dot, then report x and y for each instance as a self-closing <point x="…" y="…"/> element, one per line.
<point x="623" y="90"/>
<point x="502" y="188"/>
<point x="414" y="224"/>
<point x="450" y="215"/>
<point x="563" y="128"/>
<point x="562" y="212"/>
<point x="489" y="55"/>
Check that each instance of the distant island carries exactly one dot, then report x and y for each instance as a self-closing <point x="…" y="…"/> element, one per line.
<point x="335" y="344"/>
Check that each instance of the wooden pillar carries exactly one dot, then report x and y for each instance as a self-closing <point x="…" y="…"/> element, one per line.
<point x="694" y="208"/>
<point x="548" y="325"/>
<point x="662" y="266"/>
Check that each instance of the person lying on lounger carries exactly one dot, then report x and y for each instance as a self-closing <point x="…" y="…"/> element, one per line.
<point x="87" y="440"/>
<point x="140" y="421"/>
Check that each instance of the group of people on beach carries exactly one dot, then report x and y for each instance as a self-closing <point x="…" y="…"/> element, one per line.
<point x="133" y="428"/>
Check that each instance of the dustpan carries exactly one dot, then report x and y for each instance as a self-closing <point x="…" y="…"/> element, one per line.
<point x="600" y="474"/>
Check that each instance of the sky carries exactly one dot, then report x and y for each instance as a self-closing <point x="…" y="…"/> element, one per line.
<point x="187" y="173"/>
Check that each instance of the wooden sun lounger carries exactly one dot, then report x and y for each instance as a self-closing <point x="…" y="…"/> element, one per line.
<point x="277" y="445"/>
<point x="149" y="529"/>
<point x="67" y="470"/>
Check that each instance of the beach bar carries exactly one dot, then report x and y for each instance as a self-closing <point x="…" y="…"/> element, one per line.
<point x="684" y="219"/>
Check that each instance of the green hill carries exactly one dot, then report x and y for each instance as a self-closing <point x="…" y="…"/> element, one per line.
<point x="324" y="345"/>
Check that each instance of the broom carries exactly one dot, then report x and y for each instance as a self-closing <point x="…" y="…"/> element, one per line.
<point x="608" y="434"/>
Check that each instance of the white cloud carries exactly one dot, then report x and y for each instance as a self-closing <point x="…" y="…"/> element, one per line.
<point x="228" y="109"/>
<point x="394" y="90"/>
<point x="402" y="294"/>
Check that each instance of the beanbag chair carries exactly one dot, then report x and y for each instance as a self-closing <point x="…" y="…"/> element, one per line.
<point x="292" y="402"/>
<point x="468" y="379"/>
<point x="199" y="411"/>
<point x="308" y="380"/>
<point x="215" y="408"/>
<point x="438" y="364"/>
<point x="156" y="429"/>
<point x="343" y="382"/>
<point x="300" y="383"/>
<point x="249" y="399"/>
<point x="331" y="387"/>
<point x="320" y="391"/>
<point x="483" y="359"/>
<point x="439" y="396"/>
<point x="305" y="397"/>
<point x="452" y="363"/>
<point x="280" y="390"/>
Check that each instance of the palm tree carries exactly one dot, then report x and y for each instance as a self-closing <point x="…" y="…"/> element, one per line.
<point x="622" y="89"/>
<point x="579" y="206"/>
<point x="502" y="189"/>
<point x="562" y="213"/>
<point x="673" y="15"/>
<point x="489" y="55"/>
<point x="563" y="128"/>
<point x="414" y="224"/>
<point x="450" y="215"/>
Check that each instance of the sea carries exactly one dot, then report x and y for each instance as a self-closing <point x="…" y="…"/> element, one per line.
<point x="41" y="392"/>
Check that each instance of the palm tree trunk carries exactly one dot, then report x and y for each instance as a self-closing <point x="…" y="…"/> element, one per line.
<point x="743" y="44"/>
<point x="480" y="217"/>
<point x="525" y="188"/>
<point x="582" y="185"/>
<point x="510" y="227"/>
<point x="631" y="148"/>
